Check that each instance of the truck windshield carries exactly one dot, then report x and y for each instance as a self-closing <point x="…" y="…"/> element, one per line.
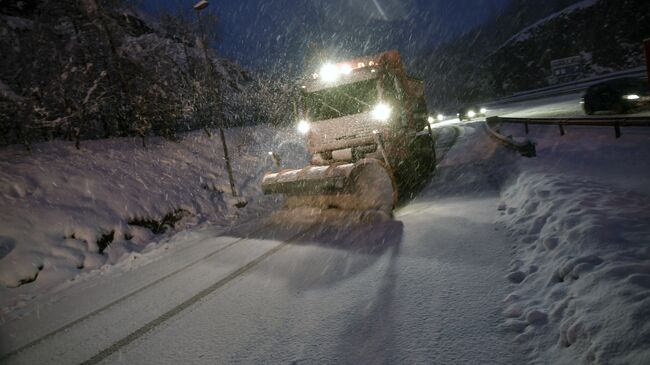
<point x="342" y="100"/>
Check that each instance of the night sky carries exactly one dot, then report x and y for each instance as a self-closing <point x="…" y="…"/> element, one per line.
<point x="273" y="34"/>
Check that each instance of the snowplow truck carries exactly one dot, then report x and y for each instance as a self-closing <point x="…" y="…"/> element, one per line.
<point x="365" y="123"/>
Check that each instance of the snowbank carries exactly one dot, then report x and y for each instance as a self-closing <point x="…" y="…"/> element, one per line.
<point x="67" y="211"/>
<point x="579" y="215"/>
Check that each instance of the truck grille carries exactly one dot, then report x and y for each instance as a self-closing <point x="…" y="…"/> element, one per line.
<point x="344" y="132"/>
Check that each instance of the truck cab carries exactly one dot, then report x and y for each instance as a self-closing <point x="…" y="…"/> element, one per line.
<point x="366" y="129"/>
<point x="362" y="108"/>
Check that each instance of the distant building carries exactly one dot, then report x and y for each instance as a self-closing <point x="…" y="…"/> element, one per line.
<point x="565" y="70"/>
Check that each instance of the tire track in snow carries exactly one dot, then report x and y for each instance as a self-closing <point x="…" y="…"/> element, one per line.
<point x="125" y="297"/>
<point x="189" y="302"/>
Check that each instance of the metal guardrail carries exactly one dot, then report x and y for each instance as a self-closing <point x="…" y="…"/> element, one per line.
<point x="527" y="148"/>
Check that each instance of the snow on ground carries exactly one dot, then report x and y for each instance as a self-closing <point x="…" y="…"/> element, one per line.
<point x="68" y="212"/>
<point x="579" y="212"/>
<point x="563" y="105"/>
<point x="424" y="288"/>
<point x="567" y="105"/>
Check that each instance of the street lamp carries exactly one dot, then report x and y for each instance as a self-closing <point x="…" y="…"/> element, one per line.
<point x="201" y="5"/>
<point x="198" y="7"/>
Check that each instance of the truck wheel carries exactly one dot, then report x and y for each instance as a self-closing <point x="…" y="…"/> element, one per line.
<point x="413" y="173"/>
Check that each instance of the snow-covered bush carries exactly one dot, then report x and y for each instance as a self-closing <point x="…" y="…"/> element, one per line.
<point x="578" y="214"/>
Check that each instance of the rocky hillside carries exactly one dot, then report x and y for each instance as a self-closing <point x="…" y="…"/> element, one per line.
<point x="496" y="60"/>
<point x="80" y="69"/>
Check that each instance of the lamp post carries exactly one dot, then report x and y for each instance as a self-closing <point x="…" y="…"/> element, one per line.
<point x="198" y="7"/>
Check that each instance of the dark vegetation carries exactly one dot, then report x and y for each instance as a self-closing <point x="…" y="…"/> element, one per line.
<point x="105" y="240"/>
<point x="30" y="279"/>
<point x="159" y="226"/>
<point x="81" y="69"/>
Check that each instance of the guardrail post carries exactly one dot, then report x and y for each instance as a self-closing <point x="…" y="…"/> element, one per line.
<point x="561" y="129"/>
<point x="617" y="129"/>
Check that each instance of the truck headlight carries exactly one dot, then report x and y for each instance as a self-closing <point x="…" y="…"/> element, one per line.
<point x="631" y="97"/>
<point x="345" y="69"/>
<point x="329" y="72"/>
<point x="430" y="119"/>
<point x="303" y="127"/>
<point x="440" y="117"/>
<point x="483" y="110"/>
<point x="381" y="112"/>
<point x="471" y="113"/>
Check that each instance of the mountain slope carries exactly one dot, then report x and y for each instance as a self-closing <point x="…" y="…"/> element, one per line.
<point x="80" y="70"/>
<point x="607" y="34"/>
<point x="513" y="52"/>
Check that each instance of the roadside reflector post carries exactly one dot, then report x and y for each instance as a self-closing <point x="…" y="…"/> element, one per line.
<point x="617" y="129"/>
<point x="562" y="132"/>
<point x="214" y="84"/>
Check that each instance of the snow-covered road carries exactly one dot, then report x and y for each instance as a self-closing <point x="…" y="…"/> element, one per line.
<point x="413" y="290"/>
<point x="567" y="105"/>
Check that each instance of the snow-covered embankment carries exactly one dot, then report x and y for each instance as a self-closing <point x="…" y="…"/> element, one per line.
<point x="580" y="214"/>
<point x="67" y="212"/>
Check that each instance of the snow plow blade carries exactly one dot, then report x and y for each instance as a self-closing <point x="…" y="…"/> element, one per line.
<point x="363" y="185"/>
